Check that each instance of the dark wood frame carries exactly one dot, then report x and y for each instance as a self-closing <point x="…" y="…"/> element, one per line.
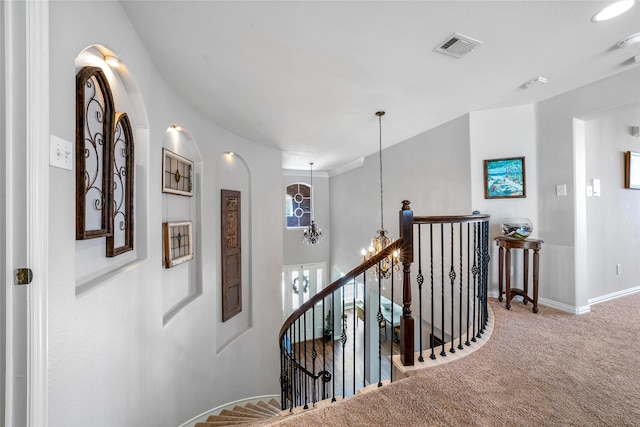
<point x="82" y="179"/>
<point x="169" y="260"/>
<point x="231" y="251"/>
<point x="181" y="160"/>
<point x="487" y="164"/>
<point x="631" y="168"/>
<point x="123" y="207"/>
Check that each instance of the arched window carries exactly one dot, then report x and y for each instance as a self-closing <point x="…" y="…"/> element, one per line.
<point x="298" y="205"/>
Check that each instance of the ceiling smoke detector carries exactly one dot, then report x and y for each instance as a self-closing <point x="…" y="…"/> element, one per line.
<point x="538" y="81"/>
<point x="457" y="45"/>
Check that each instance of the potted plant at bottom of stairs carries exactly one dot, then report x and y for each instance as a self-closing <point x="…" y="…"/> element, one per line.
<point x="327" y="331"/>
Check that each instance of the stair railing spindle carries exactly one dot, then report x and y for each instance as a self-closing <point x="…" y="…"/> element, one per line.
<point x="460" y="347"/>
<point x="420" y="280"/>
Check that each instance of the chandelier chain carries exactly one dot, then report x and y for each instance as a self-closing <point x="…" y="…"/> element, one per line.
<point x="380" y="114"/>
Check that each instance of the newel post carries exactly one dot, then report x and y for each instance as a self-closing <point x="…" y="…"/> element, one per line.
<point x="406" y="258"/>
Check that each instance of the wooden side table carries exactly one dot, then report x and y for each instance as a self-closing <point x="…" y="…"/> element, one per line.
<point x="504" y="269"/>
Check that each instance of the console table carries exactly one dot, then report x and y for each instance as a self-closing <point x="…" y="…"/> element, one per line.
<point x="504" y="269"/>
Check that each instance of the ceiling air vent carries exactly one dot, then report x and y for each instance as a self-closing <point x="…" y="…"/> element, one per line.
<point x="457" y="45"/>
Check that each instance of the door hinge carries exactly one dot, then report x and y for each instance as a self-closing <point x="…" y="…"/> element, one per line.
<point x="23" y="276"/>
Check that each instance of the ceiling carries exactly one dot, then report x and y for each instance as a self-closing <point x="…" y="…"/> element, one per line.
<point x="308" y="76"/>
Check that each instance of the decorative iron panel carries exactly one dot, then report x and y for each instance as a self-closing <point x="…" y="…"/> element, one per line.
<point x="94" y="139"/>
<point x="123" y="183"/>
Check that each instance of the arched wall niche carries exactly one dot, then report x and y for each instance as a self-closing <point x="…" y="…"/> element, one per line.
<point x="182" y="283"/>
<point x="233" y="173"/>
<point x="92" y="267"/>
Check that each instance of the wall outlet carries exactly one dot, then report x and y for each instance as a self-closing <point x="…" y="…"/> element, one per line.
<point x="561" y="190"/>
<point x="618" y="268"/>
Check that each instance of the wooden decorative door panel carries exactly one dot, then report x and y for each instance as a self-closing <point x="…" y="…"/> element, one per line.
<point x="231" y="254"/>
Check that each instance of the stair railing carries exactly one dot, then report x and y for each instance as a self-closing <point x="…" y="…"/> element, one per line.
<point x="340" y="361"/>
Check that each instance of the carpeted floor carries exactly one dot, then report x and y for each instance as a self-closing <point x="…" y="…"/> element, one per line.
<point x="545" y="369"/>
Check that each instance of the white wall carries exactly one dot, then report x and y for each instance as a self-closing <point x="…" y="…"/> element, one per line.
<point x="432" y="170"/>
<point x="612" y="218"/>
<point x="507" y="132"/>
<point x="112" y="360"/>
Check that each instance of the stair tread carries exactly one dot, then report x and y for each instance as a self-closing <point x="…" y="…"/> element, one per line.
<point x="274" y="403"/>
<point x="238" y="414"/>
<point x="228" y="417"/>
<point x="249" y="411"/>
<point x="223" y="422"/>
<point x="259" y="408"/>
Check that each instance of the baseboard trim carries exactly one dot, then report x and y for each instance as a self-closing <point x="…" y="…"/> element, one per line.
<point x="613" y="295"/>
<point x="564" y="307"/>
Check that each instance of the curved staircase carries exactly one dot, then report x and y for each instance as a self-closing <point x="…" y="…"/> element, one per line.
<point x="244" y="415"/>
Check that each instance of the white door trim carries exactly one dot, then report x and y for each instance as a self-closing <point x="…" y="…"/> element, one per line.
<point x="37" y="187"/>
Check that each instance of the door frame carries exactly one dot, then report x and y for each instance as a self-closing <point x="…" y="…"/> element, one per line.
<point x="26" y="53"/>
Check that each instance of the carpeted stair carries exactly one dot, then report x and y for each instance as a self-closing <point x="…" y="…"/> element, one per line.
<point x="248" y="414"/>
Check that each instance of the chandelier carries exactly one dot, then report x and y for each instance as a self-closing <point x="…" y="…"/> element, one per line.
<point x="312" y="234"/>
<point x="390" y="264"/>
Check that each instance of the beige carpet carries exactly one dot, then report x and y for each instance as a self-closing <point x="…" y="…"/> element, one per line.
<point x="545" y="369"/>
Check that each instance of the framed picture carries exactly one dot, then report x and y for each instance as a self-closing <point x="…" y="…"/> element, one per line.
<point x="177" y="174"/>
<point x="178" y="243"/>
<point x="504" y="178"/>
<point x="632" y="170"/>
<point x="231" y="242"/>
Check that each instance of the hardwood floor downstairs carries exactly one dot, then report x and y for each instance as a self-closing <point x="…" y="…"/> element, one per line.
<point x="344" y="358"/>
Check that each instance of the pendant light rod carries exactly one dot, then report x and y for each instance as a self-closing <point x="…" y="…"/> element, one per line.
<point x="380" y="114"/>
<point x="311" y="204"/>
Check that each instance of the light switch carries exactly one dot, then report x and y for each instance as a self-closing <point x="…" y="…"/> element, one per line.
<point x="60" y="153"/>
<point x="561" y="190"/>
<point x="596" y="187"/>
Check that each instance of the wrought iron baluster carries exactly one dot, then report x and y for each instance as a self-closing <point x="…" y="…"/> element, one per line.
<point x="432" y="337"/>
<point x="333" y="358"/>
<point x="393" y="331"/>
<point x="306" y="385"/>
<point x="443" y="353"/>
<point x="460" y="347"/>
<point x="380" y="319"/>
<point x="476" y="258"/>
<point x="452" y="278"/>
<point x="468" y="279"/>
<point x="420" y="280"/>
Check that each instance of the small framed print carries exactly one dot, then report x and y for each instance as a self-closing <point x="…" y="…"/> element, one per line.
<point x="632" y="170"/>
<point x="178" y="242"/>
<point x="177" y="174"/>
<point x="504" y="178"/>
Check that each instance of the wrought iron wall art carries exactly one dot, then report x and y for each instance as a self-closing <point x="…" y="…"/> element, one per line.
<point x="94" y="168"/>
<point x="231" y="254"/>
<point x="178" y="242"/>
<point x="177" y="174"/>
<point x="121" y="239"/>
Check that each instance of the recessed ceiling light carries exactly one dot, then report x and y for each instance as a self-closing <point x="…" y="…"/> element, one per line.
<point x="613" y="10"/>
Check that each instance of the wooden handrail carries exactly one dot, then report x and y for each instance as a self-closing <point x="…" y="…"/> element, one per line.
<point x="396" y="245"/>
<point x="450" y="219"/>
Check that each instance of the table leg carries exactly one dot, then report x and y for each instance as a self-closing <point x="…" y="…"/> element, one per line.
<point x="500" y="272"/>
<point x="525" y="283"/>
<point x="535" y="280"/>
<point x="507" y="267"/>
